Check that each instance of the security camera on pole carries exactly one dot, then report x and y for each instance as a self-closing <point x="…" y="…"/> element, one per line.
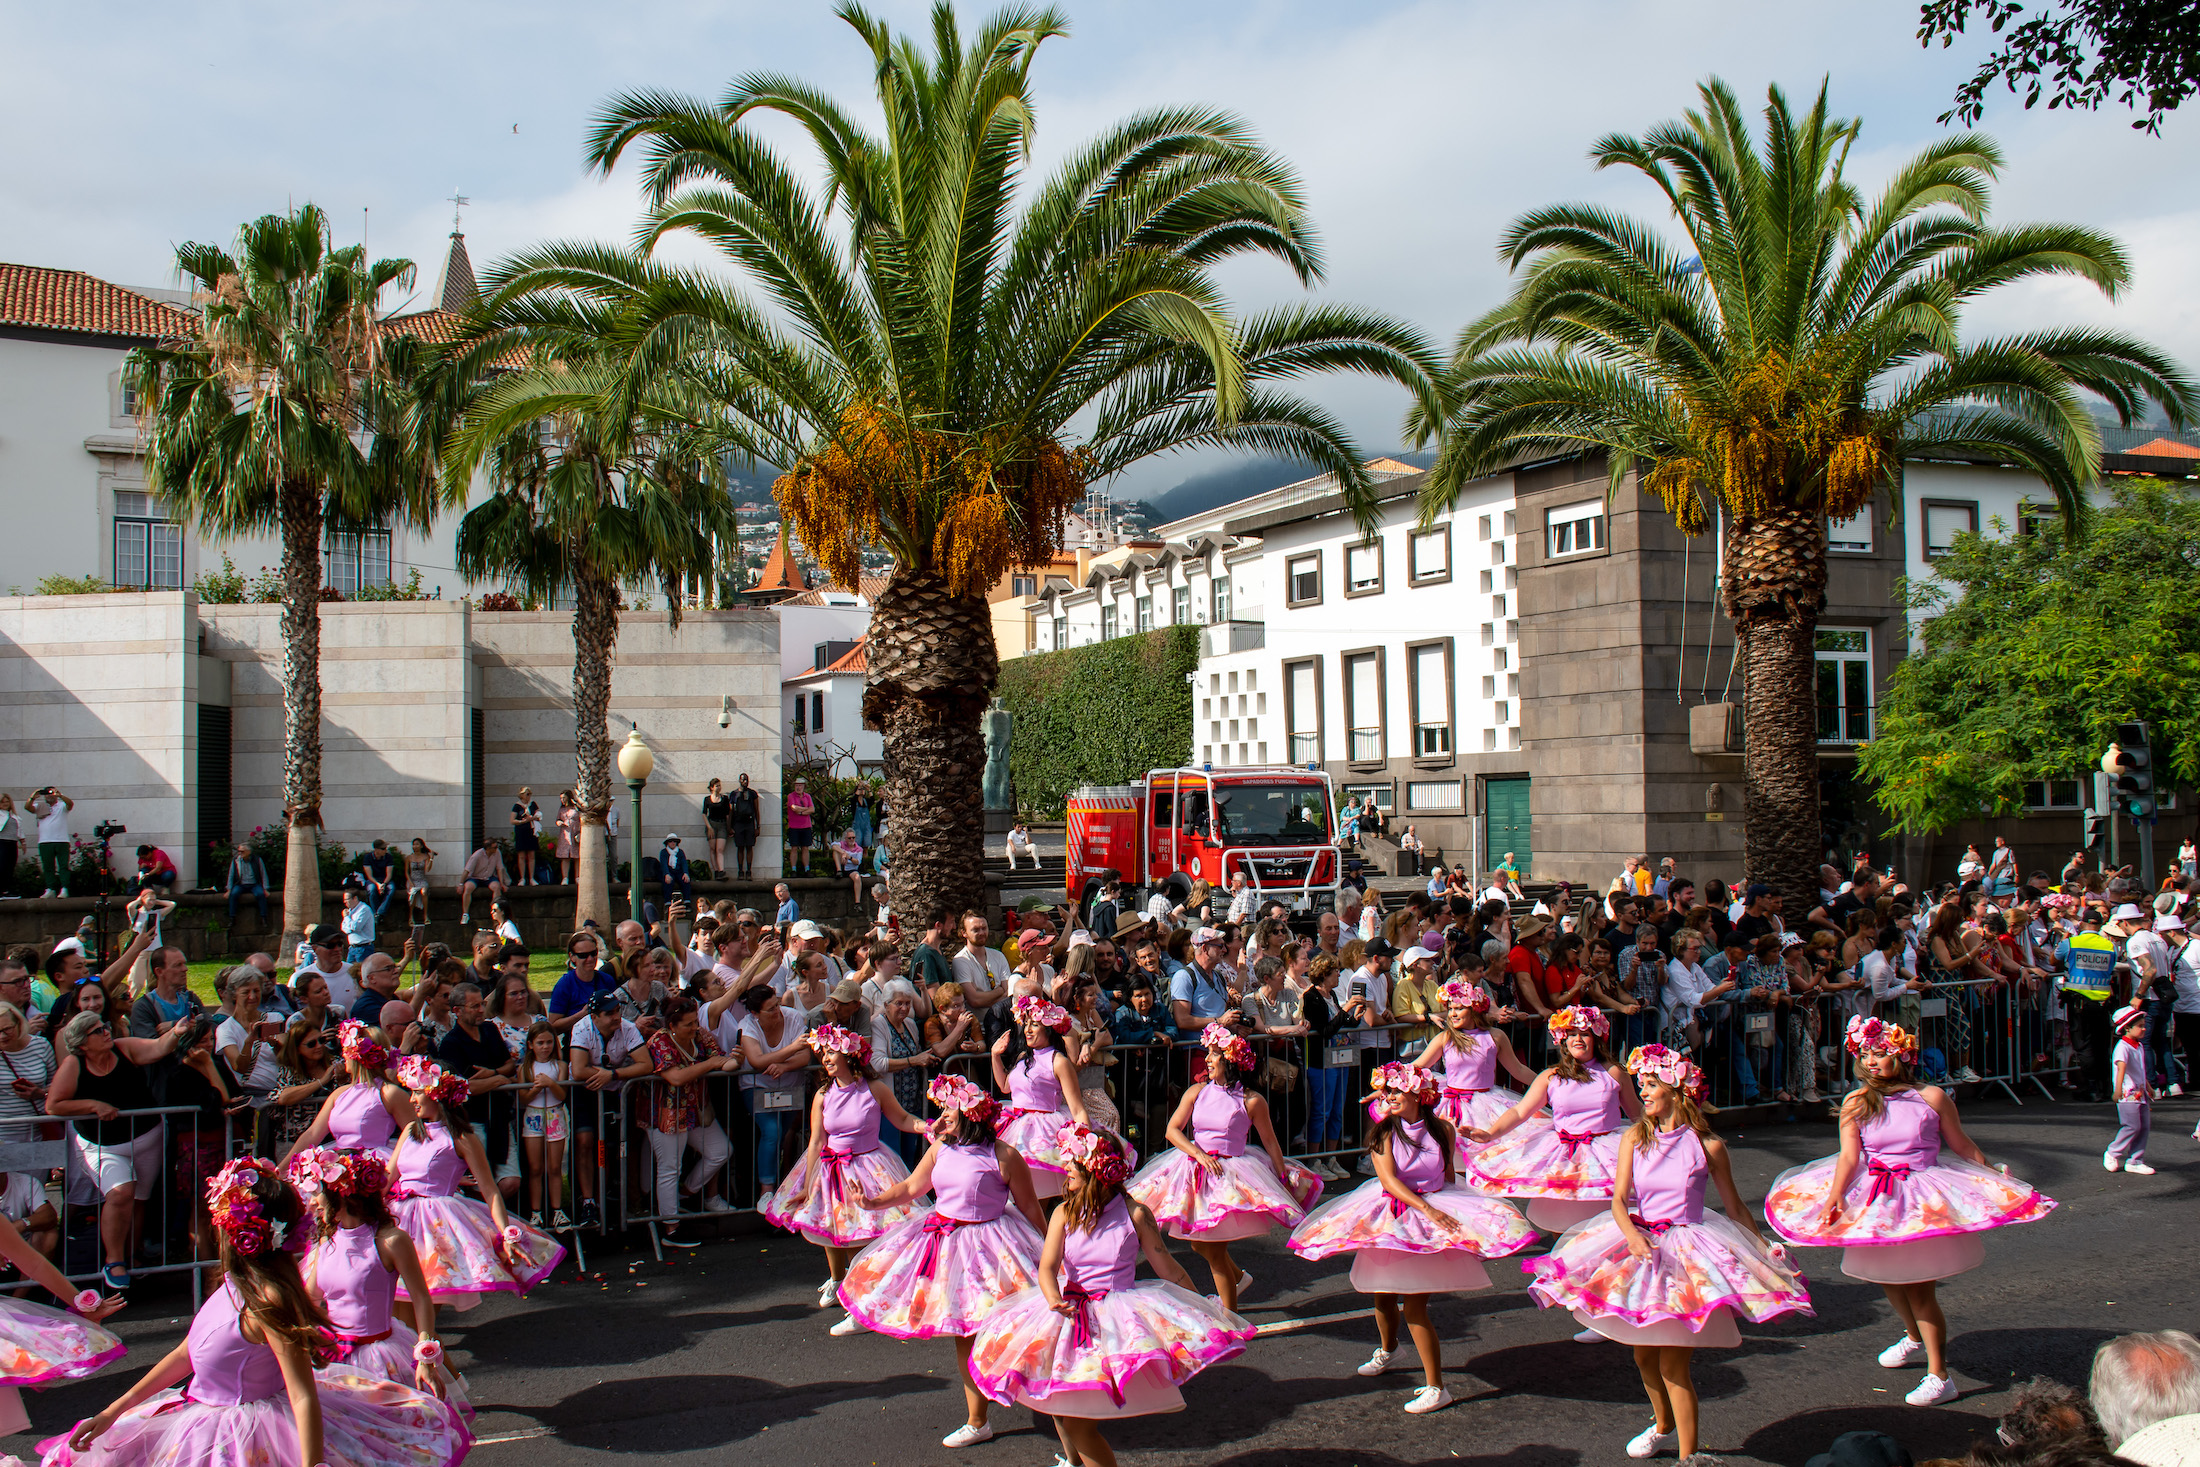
<point x="2129" y="765"/>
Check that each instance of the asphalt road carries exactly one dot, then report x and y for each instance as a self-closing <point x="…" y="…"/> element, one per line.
<point x="724" y="1348"/>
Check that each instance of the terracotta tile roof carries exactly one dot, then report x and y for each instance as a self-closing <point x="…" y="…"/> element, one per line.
<point x="870" y="588"/>
<point x="780" y="573"/>
<point x="70" y="300"/>
<point x="435" y="325"/>
<point x="1389" y="466"/>
<point x="853" y="663"/>
<point x="2164" y="448"/>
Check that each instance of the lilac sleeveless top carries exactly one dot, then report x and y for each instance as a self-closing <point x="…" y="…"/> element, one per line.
<point x="851" y="1117"/>
<point x="1032" y="1085"/>
<point x="1590" y="1105"/>
<point x="967" y="1184"/>
<point x="431" y="1167"/>
<point x="1905" y="1133"/>
<point x="359" y="1121"/>
<point x="1105" y="1259"/>
<point x="1670" y="1173"/>
<point x="1220" y="1121"/>
<point x="1473" y="1066"/>
<point x="1418" y="1157"/>
<point x="226" y="1368"/>
<point x="359" y="1287"/>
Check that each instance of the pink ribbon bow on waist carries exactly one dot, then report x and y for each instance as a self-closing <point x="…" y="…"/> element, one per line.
<point x="834" y="1162"/>
<point x="342" y="1346"/>
<point x="1575" y="1140"/>
<point x="1080" y="1324"/>
<point x="1883" y="1179"/>
<point x="1453" y="1092"/>
<point x="1654" y="1229"/>
<point x="936" y="1228"/>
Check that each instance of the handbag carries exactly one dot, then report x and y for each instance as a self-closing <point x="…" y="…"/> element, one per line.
<point x="1276" y="1074"/>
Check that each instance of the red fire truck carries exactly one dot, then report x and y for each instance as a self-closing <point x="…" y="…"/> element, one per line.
<point x="1274" y="823"/>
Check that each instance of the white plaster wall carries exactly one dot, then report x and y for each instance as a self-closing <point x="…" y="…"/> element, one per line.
<point x="802" y="628"/>
<point x="98" y="696"/>
<point x="843" y="727"/>
<point x="52" y="399"/>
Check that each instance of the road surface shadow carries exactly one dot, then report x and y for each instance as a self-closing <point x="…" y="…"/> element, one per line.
<point x="1569" y="1371"/>
<point x="1928" y="1431"/>
<point x="687" y="1413"/>
<point x="1521" y="1456"/>
<point x="2066" y="1353"/>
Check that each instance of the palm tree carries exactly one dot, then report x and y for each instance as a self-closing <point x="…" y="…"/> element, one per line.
<point x="600" y="480"/>
<point x="288" y="412"/>
<point x="926" y="341"/>
<point x="1781" y="374"/>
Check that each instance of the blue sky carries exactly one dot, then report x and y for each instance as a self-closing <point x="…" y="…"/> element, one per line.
<point x="1420" y="129"/>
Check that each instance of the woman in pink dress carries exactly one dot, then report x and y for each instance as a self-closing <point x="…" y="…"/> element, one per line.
<point x="466" y="1249"/>
<point x="1091" y="1343"/>
<point x="1031" y="1068"/>
<point x="821" y="1197"/>
<point x="1905" y="1214"/>
<point x="1655" y="1271"/>
<point x="1207" y="1189"/>
<point x="254" y="1400"/>
<point x="368" y="1110"/>
<point x="1413" y="1230"/>
<point x="1563" y="1163"/>
<point x="941" y="1272"/>
<point x="353" y="1272"/>
<point x="1470" y="1052"/>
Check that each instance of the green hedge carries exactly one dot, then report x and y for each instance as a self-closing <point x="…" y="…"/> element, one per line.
<point x="1102" y="714"/>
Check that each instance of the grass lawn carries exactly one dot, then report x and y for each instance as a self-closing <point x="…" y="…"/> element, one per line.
<point x="543" y="970"/>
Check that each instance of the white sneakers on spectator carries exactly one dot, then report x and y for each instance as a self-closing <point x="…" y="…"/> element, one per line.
<point x="1900" y="1353"/>
<point x="2109" y="1163"/>
<point x="2138" y="1169"/>
<point x="848" y="1325"/>
<point x="1932" y="1390"/>
<point x="1377" y="1363"/>
<point x="1651" y="1441"/>
<point x="967" y="1435"/>
<point x="764" y="1199"/>
<point x="1965" y="1076"/>
<point x="715" y="1203"/>
<point x="828" y="1292"/>
<point x="1427" y="1399"/>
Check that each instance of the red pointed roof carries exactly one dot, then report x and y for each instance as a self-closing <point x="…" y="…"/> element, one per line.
<point x="2164" y="448"/>
<point x="780" y="573"/>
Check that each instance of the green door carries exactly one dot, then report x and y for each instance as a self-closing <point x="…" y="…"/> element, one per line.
<point x="1505" y="823"/>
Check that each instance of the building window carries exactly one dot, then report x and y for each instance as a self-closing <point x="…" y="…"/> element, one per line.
<point x="1363" y="704"/>
<point x="1944" y="520"/>
<point x="1844" y="685"/>
<point x="1363" y="569"/>
<point x="1221" y="595"/>
<point x="1023" y="585"/>
<point x="1107" y="622"/>
<point x="1383" y="795"/>
<point x="355" y="559"/>
<point x="1180" y="606"/>
<point x="1144" y="607"/>
<point x="1434" y="794"/>
<point x="1432" y="699"/>
<point x="148" y="549"/>
<point x="1303" y="579"/>
<point x="1482" y="528"/>
<point x="1510" y="522"/>
<point x="1852" y="536"/>
<point x="817" y="713"/>
<point x="1428" y="556"/>
<point x="1575" y="530"/>
<point x="801" y="714"/>
<point x="1489" y="582"/>
<point x="1061" y="634"/>
<point x="2054" y="794"/>
<point x="1302" y="710"/>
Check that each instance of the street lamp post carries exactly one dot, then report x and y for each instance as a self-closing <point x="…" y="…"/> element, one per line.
<point x="635" y="763"/>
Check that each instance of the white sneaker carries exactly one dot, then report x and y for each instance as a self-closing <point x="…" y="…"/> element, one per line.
<point x="848" y="1325"/>
<point x="1427" y="1399"/>
<point x="1588" y="1337"/>
<point x="1965" y="1076"/>
<point x="1900" y="1353"/>
<point x="1651" y="1441"/>
<point x="2138" y="1169"/>
<point x="827" y="1292"/>
<point x="2176" y="1089"/>
<point x="967" y="1435"/>
<point x="764" y="1199"/>
<point x="1932" y="1390"/>
<point x="1245" y="1281"/>
<point x="715" y="1203"/>
<point x="2109" y="1163"/>
<point x="1377" y="1363"/>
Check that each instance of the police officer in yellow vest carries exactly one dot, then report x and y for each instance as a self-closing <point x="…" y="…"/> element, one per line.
<point x="2088" y="984"/>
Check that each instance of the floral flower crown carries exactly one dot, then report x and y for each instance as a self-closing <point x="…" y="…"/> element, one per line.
<point x="953" y="1092"/>
<point x="1100" y="1154"/>
<point x="1877" y="1036"/>
<point x="423" y="1076"/>
<point x="1403" y="1079"/>
<point x="842" y="1041"/>
<point x="1235" y="1048"/>
<point x="360" y="1046"/>
<point x="1467" y="996"/>
<point x="1668" y="1067"/>
<point x="1579" y="1018"/>
<point x="1032" y="1009"/>
<point x="320" y="1169"/>
<point x="241" y="1216"/>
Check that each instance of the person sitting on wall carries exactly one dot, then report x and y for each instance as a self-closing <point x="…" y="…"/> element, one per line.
<point x="154" y="869"/>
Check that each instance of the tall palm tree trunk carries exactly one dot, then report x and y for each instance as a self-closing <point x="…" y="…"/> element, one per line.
<point x="301" y="526"/>
<point x="1775" y="586"/>
<point x="595" y="635"/>
<point x="932" y="667"/>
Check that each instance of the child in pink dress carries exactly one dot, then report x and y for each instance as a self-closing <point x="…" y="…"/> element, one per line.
<point x="1471" y="1053"/>
<point x="1030" y="1067"/>
<point x="1564" y="1163"/>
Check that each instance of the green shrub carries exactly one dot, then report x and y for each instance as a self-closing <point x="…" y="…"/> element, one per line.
<point x="271" y="844"/>
<point x="74" y="586"/>
<point x="1102" y="714"/>
<point x="408" y="590"/>
<point x="225" y="587"/>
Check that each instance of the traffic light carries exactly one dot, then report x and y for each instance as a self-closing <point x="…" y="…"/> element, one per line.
<point x="2129" y="764"/>
<point x="2096" y="830"/>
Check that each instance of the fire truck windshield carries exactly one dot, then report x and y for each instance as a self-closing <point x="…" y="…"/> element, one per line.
<point x="1279" y="814"/>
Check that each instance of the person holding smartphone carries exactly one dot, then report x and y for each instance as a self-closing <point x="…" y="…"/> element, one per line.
<point x="248" y="1039"/>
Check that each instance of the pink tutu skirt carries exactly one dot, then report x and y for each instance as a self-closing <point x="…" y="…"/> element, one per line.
<point x="1532" y="1161"/>
<point x="931" y="1275"/>
<point x="391" y="1358"/>
<point x="1927" y="1261"/>
<point x="1031" y="1133"/>
<point x="1244" y="1200"/>
<point x="1696" y="1275"/>
<point x="457" y="1238"/>
<point x="1367" y="1218"/>
<point x="1947" y="1199"/>
<point x="38" y="1345"/>
<point x="1123" y="1354"/>
<point x="832" y="1215"/>
<point x="365" y="1422"/>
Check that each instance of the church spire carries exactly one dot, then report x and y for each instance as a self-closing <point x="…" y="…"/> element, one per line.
<point x="457" y="292"/>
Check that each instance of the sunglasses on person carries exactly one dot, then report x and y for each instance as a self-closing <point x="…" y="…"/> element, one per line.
<point x="583" y="952"/>
<point x="313" y="1043"/>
